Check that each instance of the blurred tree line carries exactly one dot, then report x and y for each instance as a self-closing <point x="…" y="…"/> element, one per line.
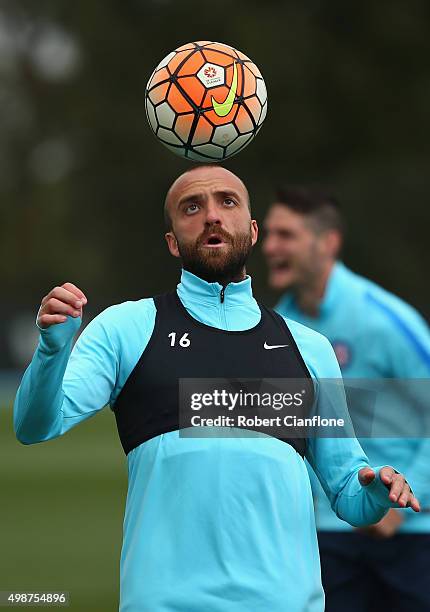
<point x="82" y="178"/>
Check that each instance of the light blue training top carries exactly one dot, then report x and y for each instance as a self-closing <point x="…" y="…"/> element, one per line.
<point x="213" y="524"/>
<point x="377" y="335"/>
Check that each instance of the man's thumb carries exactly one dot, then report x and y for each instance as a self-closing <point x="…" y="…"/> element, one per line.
<point x="366" y="476"/>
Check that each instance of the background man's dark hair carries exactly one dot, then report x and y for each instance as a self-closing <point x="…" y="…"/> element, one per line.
<point x="321" y="207"/>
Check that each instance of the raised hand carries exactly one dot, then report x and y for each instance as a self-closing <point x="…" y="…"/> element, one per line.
<point x="60" y="302"/>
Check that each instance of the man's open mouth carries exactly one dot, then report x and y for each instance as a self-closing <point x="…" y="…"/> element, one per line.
<point x="214" y="241"/>
<point x="279" y="266"/>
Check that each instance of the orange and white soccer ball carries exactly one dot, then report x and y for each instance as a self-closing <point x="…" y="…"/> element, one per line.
<point x="206" y="101"/>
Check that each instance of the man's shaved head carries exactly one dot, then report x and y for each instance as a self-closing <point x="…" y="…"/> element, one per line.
<point x="192" y="177"/>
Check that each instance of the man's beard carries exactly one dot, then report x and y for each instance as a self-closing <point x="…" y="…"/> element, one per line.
<point x="221" y="265"/>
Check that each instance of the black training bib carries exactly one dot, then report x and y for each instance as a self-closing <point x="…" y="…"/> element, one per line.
<point x="182" y="347"/>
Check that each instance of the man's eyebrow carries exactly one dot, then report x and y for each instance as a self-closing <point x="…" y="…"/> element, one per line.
<point x="201" y="196"/>
<point x="229" y="192"/>
<point x="189" y="198"/>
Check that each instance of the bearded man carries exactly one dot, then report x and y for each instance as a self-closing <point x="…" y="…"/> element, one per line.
<point x="220" y="523"/>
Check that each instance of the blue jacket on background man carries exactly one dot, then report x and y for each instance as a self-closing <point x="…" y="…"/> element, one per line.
<point x="375" y="335"/>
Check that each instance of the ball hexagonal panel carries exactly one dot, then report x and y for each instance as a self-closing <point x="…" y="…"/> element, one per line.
<point x="165" y="115"/>
<point x="224" y="134"/>
<point x="239" y="143"/>
<point x="196" y="157"/>
<point x="210" y="150"/>
<point x="168" y="136"/>
<point x="263" y="114"/>
<point x="166" y="60"/>
<point x="151" y="115"/>
<point x="261" y="91"/>
<point x="243" y="121"/>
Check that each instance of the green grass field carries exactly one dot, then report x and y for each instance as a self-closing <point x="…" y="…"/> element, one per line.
<point x="61" y="512"/>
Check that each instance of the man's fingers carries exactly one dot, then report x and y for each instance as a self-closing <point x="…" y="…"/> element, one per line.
<point x="415" y="504"/>
<point x="399" y="490"/>
<point x="405" y="496"/>
<point x="46" y="320"/>
<point x="397" y="486"/>
<point x="54" y="306"/>
<point x="67" y="300"/>
<point x="73" y="289"/>
<point x="366" y="476"/>
<point x="387" y="474"/>
<point x="64" y="295"/>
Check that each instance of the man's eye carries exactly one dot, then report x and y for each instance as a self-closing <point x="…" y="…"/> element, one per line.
<point x="229" y="202"/>
<point x="191" y="209"/>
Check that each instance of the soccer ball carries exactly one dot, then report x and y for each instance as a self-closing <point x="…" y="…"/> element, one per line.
<point x="206" y="101"/>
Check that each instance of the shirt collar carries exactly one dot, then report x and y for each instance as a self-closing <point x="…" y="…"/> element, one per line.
<point x="331" y="294"/>
<point x="334" y="287"/>
<point x="194" y="288"/>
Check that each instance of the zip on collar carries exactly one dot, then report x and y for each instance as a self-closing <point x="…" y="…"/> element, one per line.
<point x="194" y="289"/>
<point x="231" y="307"/>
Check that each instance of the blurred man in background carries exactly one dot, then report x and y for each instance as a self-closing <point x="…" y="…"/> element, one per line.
<point x="374" y="335"/>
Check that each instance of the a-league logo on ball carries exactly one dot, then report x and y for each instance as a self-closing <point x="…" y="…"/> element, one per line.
<point x="211" y="75"/>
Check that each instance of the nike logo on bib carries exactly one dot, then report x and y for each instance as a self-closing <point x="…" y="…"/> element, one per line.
<point x="274" y="346"/>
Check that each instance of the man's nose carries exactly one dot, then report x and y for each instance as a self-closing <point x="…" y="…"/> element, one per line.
<point x="213" y="213"/>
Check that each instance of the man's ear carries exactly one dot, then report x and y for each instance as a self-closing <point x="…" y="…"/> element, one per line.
<point x="332" y="243"/>
<point x="172" y="244"/>
<point x="254" y="231"/>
